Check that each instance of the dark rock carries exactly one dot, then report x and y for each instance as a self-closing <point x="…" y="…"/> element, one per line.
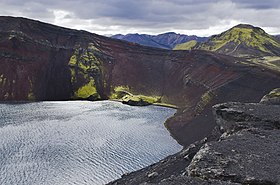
<point x="152" y="175"/>
<point x="235" y="116"/>
<point x="248" y="157"/>
<point x="273" y="98"/>
<point x="190" y="181"/>
<point x="169" y="168"/>
<point x="244" y="150"/>
<point x="134" y="101"/>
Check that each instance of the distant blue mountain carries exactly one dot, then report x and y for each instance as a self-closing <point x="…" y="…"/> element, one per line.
<point x="277" y="37"/>
<point x="166" y="40"/>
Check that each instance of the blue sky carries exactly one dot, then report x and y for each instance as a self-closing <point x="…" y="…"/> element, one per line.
<point x="200" y="17"/>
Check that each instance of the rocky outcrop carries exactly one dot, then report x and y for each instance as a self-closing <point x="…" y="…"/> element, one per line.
<point x="272" y="98"/>
<point x="183" y="180"/>
<point x="244" y="149"/>
<point x="248" y="150"/>
<point x="135" y="100"/>
<point x="248" y="156"/>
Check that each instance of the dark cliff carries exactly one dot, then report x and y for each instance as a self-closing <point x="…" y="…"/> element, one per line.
<point x="243" y="149"/>
<point x="39" y="61"/>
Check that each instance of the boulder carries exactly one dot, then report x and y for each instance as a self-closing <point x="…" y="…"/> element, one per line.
<point x="231" y="117"/>
<point x="250" y="156"/>
<point x="185" y="180"/>
<point x="134" y="100"/>
<point x="273" y="98"/>
<point x="152" y="175"/>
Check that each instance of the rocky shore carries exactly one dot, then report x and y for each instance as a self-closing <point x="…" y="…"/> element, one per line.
<point x="244" y="148"/>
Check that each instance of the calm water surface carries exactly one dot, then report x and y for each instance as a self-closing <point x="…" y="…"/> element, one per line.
<point x="79" y="142"/>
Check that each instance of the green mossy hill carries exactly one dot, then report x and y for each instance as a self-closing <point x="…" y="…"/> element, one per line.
<point x="86" y="72"/>
<point x="242" y="37"/>
<point x="241" y="41"/>
<point x="186" y="46"/>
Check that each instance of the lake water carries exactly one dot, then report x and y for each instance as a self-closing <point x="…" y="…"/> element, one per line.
<point x="79" y="142"/>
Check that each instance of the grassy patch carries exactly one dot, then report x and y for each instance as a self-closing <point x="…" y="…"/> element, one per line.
<point x="87" y="90"/>
<point x="136" y="98"/>
<point x="186" y="46"/>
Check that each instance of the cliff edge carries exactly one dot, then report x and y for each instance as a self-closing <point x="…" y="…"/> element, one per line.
<point x="243" y="149"/>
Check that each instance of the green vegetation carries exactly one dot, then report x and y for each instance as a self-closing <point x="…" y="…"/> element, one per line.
<point x="204" y="101"/>
<point x="87" y="90"/>
<point x="119" y="92"/>
<point x="140" y="99"/>
<point x="86" y="71"/>
<point x="122" y="93"/>
<point x="270" y="62"/>
<point x="274" y="93"/>
<point x="251" y="37"/>
<point x="149" y="99"/>
<point x="186" y="46"/>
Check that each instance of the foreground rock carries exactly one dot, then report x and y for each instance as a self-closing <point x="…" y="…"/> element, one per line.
<point x="190" y="181"/>
<point x="244" y="149"/>
<point x="231" y="117"/>
<point x="248" y="156"/>
<point x="272" y="98"/>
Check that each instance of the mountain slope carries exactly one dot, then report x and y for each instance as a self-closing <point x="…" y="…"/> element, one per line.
<point x="166" y="40"/>
<point x="171" y="39"/>
<point x="277" y="37"/>
<point x="39" y="61"/>
<point x="242" y="41"/>
<point x="141" y="39"/>
<point x="187" y="45"/>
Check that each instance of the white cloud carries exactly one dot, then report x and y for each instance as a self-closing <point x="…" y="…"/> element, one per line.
<point x="199" y="17"/>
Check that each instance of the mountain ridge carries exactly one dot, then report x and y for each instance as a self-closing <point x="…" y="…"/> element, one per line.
<point x="166" y="40"/>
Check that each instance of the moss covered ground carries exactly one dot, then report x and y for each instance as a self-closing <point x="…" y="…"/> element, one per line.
<point x="85" y="69"/>
<point x="186" y="46"/>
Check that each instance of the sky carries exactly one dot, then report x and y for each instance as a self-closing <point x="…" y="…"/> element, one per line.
<point x="192" y="17"/>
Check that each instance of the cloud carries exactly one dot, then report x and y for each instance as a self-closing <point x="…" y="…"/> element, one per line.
<point x="201" y="17"/>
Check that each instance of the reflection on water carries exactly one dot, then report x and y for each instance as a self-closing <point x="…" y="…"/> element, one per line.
<point x="79" y="142"/>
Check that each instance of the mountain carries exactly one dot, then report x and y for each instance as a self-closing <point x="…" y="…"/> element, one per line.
<point x="277" y="37"/>
<point x="165" y="41"/>
<point x="172" y="39"/>
<point x="187" y="45"/>
<point x="39" y="61"/>
<point x="141" y="39"/>
<point x="242" y="41"/>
